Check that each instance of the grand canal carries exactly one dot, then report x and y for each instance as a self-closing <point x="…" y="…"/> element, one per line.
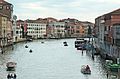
<point x="51" y="60"/>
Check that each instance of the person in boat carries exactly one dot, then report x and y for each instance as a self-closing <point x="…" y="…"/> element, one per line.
<point x="11" y="76"/>
<point x="14" y="76"/>
<point x="87" y="68"/>
<point x="8" y="76"/>
<point x="30" y="50"/>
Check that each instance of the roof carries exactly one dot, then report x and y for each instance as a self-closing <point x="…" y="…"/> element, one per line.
<point x="34" y="21"/>
<point x="115" y="12"/>
<point x="4" y="2"/>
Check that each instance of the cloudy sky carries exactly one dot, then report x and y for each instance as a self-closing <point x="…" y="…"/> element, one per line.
<point x="83" y="10"/>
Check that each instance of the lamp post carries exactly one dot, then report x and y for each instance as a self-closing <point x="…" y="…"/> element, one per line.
<point x="89" y="32"/>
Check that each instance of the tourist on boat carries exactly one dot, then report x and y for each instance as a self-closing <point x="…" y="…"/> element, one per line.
<point x="8" y="76"/>
<point x="14" y="76"/>
<point x="11" y="76"/>
<point x="30" y="50"/>
<point x="87" y="68"/>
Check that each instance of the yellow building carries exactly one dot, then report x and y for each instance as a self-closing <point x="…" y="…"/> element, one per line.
<point x="3" y="29"/>
<point x="6" y="10"/>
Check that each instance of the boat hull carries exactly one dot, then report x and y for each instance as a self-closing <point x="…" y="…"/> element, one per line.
<point x="84" y="71"/>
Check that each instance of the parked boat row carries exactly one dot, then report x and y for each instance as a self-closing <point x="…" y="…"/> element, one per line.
<point x="80" y="44"/>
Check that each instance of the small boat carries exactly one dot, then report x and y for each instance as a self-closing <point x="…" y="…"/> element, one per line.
<point x="11" y="66"/>
<point x="85" y="70"/>
<point x="29" y="40"/>
<point x="30" y="51"/>
<point x="79" y="48"/>
<point x="26" y="46"/>
<point x="65" y="43"/>
<point x="42" y="42"/>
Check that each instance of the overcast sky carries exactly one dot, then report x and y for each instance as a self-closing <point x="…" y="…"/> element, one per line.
<point x="83" y="10"/>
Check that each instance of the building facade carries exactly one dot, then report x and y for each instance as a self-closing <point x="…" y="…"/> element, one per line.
<point x="36" y="29"/>
<point x="105" y="39"/>
<point x="57" y="29"/>
<point x="6" y="10"/>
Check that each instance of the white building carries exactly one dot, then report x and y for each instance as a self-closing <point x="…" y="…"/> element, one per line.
<point x="57" y="29"/>
<point x="36" y="29"/>
<point x="18" y="36"/>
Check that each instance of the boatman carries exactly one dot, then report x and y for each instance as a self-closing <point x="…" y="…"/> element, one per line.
<point x="87" y="68"/>
<point x="8" y="76"/>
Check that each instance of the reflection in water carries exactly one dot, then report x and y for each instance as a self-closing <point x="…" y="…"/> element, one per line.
<point x="51" y="60"/>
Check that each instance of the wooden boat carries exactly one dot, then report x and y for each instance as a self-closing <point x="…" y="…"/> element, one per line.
<point x="84" y="71"/>
<point x="11" y="66"/>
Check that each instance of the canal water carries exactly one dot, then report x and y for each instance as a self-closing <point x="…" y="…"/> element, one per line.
<point x="51" y="60"/>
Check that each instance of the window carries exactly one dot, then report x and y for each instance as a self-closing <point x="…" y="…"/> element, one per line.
<point x="1" y="7"/>
<point x="16" y="32"/>
<point x="77" y="31"/>
<point x="7" y="7"/>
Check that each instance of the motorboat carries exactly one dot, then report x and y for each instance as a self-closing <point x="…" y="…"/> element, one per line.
<point x="30" y="51"/>
<point x="42" y="42"/>
<point x="78" y="42"/>
<point x="30" y="39"/>
<point x="26" y="46"/>
<point x="11" y="66"/>
<point x="79" y="48"/>
<point x="65" y="43"/>
<point x="85" y="70"/>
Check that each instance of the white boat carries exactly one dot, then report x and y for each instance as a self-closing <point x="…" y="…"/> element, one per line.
<point x="11" y="66"/>
<point x="84" y="71"/>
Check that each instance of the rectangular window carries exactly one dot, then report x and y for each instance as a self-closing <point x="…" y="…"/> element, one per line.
<point x="7" y="7"/>
<point x="1" y="7"/>
<point x="16" y="32"/>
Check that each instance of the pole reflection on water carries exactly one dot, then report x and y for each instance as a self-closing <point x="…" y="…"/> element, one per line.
<point x="51" y="60"/>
